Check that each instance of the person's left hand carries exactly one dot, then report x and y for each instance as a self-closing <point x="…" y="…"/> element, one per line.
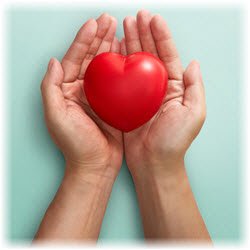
<point x="88" y="144"/>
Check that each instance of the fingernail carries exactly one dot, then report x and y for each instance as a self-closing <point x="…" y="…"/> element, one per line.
<point x="50" y="65"/>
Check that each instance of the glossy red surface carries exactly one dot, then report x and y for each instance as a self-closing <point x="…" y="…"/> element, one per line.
<point x="125" y="91"/>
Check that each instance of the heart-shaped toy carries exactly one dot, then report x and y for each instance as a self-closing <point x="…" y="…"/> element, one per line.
<point x="125" y="91"/>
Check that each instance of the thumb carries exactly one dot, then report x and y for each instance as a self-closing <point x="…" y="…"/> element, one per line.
<point x="194" y="95"/>
<point x="52" y="95"/>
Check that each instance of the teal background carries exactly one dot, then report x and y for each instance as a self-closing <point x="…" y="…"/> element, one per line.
<point x="213" y="36"/>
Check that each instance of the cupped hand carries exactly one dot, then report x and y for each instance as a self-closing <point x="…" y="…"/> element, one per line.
<point x="87" y="143"/>
<point x="167" y="136"/>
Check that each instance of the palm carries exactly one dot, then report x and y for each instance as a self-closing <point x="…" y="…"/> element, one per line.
<point x="83" y="116"/>
<point x="79" y="111"/>
<point x="161" y="131"/>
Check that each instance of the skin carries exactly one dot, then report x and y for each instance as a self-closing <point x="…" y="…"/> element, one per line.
<point x="155" y="151"/>
<point x="93" y="150"/>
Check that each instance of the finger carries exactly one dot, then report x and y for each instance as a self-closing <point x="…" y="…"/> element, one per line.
<point x="103" y="23"/>
<point x="194" y="95"/>
<point x="73" y="59"/>
<point x="123" y="47"/>
<point x="132" y="39"/>
<point x="146" y="38"/>
<point x="106" y="43"/>
<point x="52" y="95"/>
<point x="166" y="48"/>
<point x="115" y="46"/>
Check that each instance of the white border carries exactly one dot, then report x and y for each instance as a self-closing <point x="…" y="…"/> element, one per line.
<point x="138" y="4"/>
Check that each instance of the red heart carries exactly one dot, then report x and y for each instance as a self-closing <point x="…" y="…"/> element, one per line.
<point x="125" y="91"/>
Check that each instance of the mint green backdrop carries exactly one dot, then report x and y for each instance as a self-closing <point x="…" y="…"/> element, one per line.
<point x="213" y="36"/>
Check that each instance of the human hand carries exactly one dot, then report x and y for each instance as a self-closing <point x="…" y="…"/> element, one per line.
<point x="155" y="151"/>
<point x="93" y="147"/>
<point x="89" y="145"/>
<point x="167" y="136"/>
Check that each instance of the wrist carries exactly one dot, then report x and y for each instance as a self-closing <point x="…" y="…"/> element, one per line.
<point x="92" y="175"/>
<point x="169" y="175"/>
<point x="157" y="184"/>
<point x="158" y="169"/>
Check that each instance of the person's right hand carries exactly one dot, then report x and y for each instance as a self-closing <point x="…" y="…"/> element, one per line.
<point x="89" y="145"/>
<point x="155" y="151"/>
<point x="165" y="138"/>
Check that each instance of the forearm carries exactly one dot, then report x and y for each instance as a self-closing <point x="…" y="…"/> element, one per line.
<point x="167" y="205"/>
<point x="78" y="208"/>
